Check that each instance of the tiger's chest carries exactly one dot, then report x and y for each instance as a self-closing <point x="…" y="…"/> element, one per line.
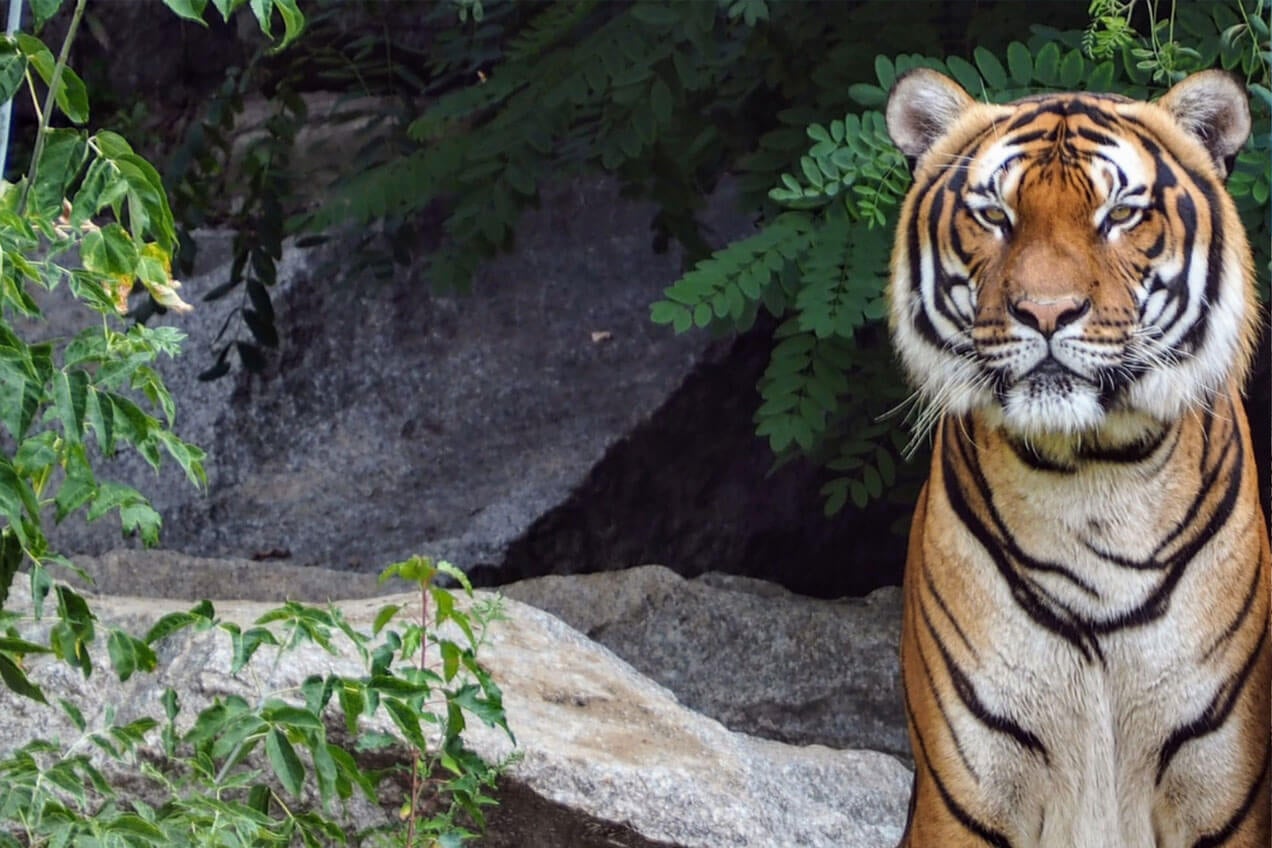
<point x="1090" y="637"/>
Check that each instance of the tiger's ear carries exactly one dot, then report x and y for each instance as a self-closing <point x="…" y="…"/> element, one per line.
<point x="1213" y="107"/>
<point x="921" y="108"/>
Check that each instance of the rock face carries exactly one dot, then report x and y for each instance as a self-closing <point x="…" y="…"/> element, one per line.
<point x="748" y="653"/>
<point x="395" y="420"/>
<point x="609" y="758"/>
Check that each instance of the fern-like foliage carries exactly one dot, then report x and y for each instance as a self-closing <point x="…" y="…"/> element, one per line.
<point x="830" y="384"/>
<point x="579" y="84"/>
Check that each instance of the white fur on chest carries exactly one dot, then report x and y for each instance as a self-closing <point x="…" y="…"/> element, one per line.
<point x="1097" y="537"/>
<point x="1102" y="719"/>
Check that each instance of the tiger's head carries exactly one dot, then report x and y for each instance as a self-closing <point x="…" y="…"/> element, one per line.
<point x="1071" y="265"/>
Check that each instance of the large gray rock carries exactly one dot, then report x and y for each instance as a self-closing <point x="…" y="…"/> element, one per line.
<point x="748" y="653"/>
<point x="609" y="758"/>
<point x="396" y="420"/>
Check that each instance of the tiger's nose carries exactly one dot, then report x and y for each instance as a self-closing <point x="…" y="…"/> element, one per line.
<point x="1046" y="315"/>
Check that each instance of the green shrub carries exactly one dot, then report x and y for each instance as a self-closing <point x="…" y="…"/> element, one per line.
<point x="202" y="782"/>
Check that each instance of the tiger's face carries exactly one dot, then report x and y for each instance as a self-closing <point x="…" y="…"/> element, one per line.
<point x="1058" y="263"/>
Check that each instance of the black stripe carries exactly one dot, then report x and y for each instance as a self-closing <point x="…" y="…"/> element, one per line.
<point x="1216" y="713"/>
<point x="1027" y="137"/>
<point x="1129" y="454"/>
<point x="1025" y="595"/>
<point x="1254" y="796"/>
<point x="1247" y="605"/>
<point x="1030" y="456"/>
<point x="1155" y="606"/>
<point x="962" y="816"/>
<point x="1097" y="112"/>
<point x="940" y="602"/>
<point x="1024" y="119"/>
<point x="1096" y="137"/>
<point x="940" y="708"/>
<point x="966" y="692"/>
<point x="1006" y="538"/>
<point x="1155" y="249"/>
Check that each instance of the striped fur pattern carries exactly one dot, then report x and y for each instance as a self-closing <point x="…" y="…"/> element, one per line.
<point x="1086" y="647"/>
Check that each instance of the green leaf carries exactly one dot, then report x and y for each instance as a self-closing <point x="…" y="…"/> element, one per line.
<point x="70" y="391"/>
<point x="1072" y="69"/>
<point x="227" y="7"/>
<point x="665" y="311"/>
<point x="869" y="96"/>
<point x="1101" y="77"/>
<point x="100" y="412"/>
<point x="282" y="758"/>
<point x="860" y="497"/>
<point x="17" y="682"/>
<point x="293" y="18"/>
<point x="1047" y="63"/>
<point x="990" y="68"/>
<point x="293" y="21"/>
<point x="407" y="720"/>
<point x="966" y="75"/>
<point x="201" y="616"/>
<point x="384" y="616"/>
<point x="246" y="644"/>
<point x="71" y="94"/>
<point x="1020" y="64"/>
<point x="148" y="211"/>
<point x="21" y="647"/>
<point x="836" y="494"/>
<point x="128" y="654"/>
<point x="60" y="162"/>
<point x="885" y="72"/>
<point x="13" y="66"/>
<point x="191" y="10"/>
<point x="101" y="187"/>
<point x="353" y="703"/>
<point x="110" y="252"/>
<point x="281" y="713"/>
<point x="456" y="574"/>
<point x="133" y="827"/>
<point x="42" y="10"/>
<point x="73" y="713"/>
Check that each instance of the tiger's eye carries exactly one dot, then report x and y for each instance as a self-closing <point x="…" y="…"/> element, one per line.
<point x="1120" y="214"/>
<point x="994" y="215"/>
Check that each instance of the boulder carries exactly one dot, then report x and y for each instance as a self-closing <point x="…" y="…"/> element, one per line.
<point x="748" y="653"/>
<point x="757" y="658"/>
<point x="395" y="420"/>
<point x="608" y="757"/>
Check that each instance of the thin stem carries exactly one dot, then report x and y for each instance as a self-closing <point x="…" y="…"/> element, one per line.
<point x="232" y="759"/>
<point x="417" y="786"/>
<point x="49" y="100"/>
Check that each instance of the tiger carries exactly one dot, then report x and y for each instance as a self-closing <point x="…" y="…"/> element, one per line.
<point x="1085" y="630"/>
